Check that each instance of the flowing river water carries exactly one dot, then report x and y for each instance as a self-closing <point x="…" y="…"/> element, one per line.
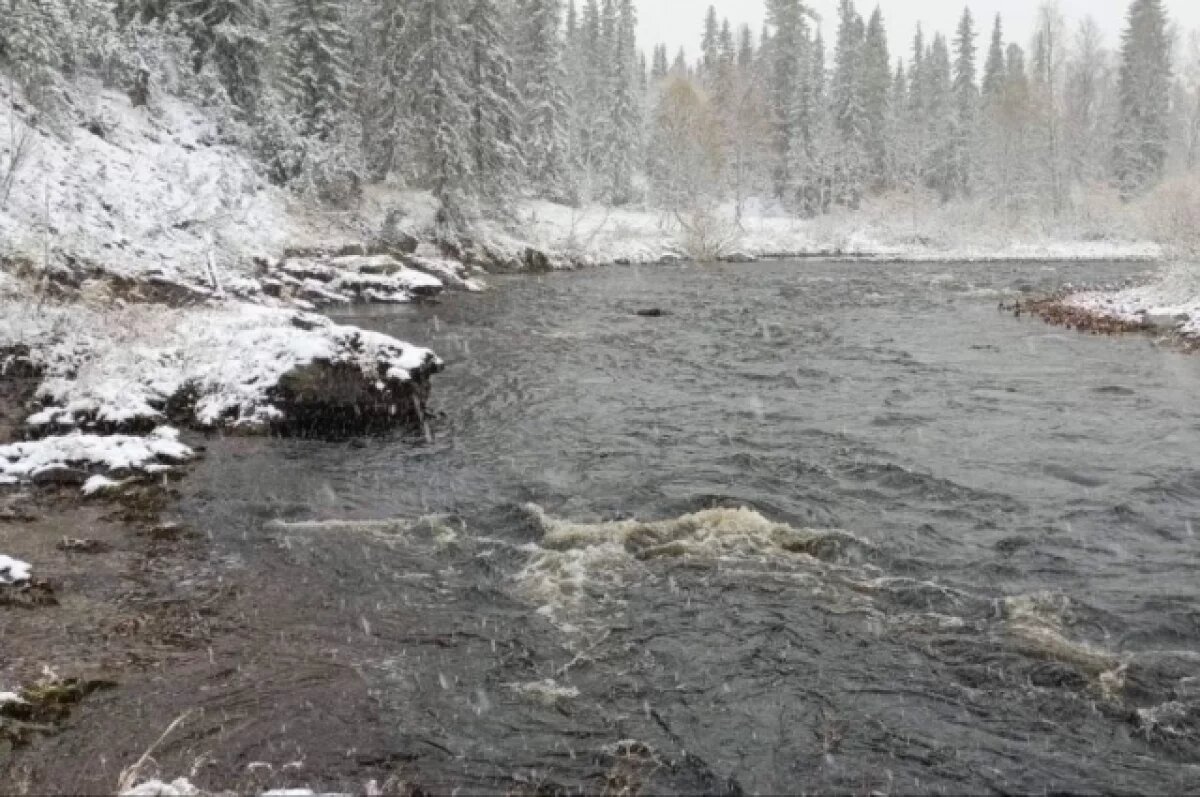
<point x="820" y="527"/>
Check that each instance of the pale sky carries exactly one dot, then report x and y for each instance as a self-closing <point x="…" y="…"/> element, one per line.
<point x="680" y="22"/>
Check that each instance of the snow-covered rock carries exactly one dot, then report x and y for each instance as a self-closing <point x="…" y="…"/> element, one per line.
<point x="235" y="365"/>
<point x="13" y="571"/>
<point x="452" y="272"/>
<point x="343" y="279"/>
<point x="109" y="453"/>
<point x="99" y="485"/>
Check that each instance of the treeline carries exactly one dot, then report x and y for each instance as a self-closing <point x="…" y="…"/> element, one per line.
<point x="480" y="101"/>
<point x="818" y="124"/>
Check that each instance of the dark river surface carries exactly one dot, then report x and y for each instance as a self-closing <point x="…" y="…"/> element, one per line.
<point x="967" y="560"/>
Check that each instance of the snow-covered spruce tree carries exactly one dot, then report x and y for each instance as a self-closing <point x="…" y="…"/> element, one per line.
<point x="745" y="54"/>
<point x="587" y="100"/>
<point x="575" y="66"/>
<point x="438" y="150"/>
<point x="966" y="105"/>
<point x="846" y="87"/>
<point x="316" y="71"/>
<point x="994" y="69"/>
<point x="811" y="164"/>
<point x="789" y="76"/>
<point x="727" y="48"/>
<point x="232" y="36"/>
<point x="679" y="66"/>
<point x="659" y="66"/>
<point x="848" y="105"/>
<point x="710" y="44"/>
<point x="876" y="87"/>
<point x="381" y="65"/>
<point x="900" y="137"/>
<point x="1140" y="153"/>
<point x="625" y="126"/>
<point x="540" y="82"/>
<point x="31" y="44"/>
<point x="492" y="98"/>
<point x="939" y="170"/>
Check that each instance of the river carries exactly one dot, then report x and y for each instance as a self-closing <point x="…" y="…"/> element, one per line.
<point x="967" y="561"/>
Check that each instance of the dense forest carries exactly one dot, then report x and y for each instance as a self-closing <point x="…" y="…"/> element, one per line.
<point x="479" y="101"/>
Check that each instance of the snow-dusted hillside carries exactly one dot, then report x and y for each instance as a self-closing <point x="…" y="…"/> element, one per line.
<point x="151" y="190"/>
<point x="111" y="199"/>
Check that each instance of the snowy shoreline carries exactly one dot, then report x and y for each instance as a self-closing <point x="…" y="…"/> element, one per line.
<point x="1168" y="307"/>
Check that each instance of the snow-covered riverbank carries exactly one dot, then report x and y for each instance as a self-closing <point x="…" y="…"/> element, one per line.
<point x="1170" y="305"/>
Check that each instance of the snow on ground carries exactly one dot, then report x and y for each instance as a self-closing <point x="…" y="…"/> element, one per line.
<point x="1172" y="303"/>
<point x="180" y="787"/>
<point x="118" y="368"/>
<point x="159" y="192"/>
<point x="13" y="571"/>
<point x="626" y="235"/>
<point x="112" y="453"/>
<point x="140" y="191"/>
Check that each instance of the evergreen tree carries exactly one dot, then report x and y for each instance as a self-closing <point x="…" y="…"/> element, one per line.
<point x="545" y="102"/>
<point x="745" y="54"/>
<point x="492" y="100"/>
<point x="710" y="43"/>
<point x="727" y="50"/>
<point x="382" y="110"/>
<point x="316" y="71"/>
<point x="849" y="112"/>
<point x="31" y="44"/>
<point x="940" y="109"/>
<point x="789" y="79"/>
<point x="436" y="92"/>
<point x="591" y="99"/>
<point x="232" y="34"/>
<point x="995" y="69"/>
<point x="966" y="100"/>
<point x="918" y="81"/>
<point x="625" y="123"/>
<point x="1144" y="98"/>
<point x="679" y="66"/>
<point x="876" y="88"/>
<point x="660" y="65"/>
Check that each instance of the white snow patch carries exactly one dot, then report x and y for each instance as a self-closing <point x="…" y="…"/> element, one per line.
<point x="23" y="461"/>
<point x="548" y="692"/>
<point x="180" y="787"/>
<point x="101" y="484"/>
<point x="13" y="571"/>
<point x="450" y="271"/>
<point x="11" y="698"/>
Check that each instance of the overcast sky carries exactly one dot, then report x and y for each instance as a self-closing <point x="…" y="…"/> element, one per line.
<point x="679" y="22"/>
